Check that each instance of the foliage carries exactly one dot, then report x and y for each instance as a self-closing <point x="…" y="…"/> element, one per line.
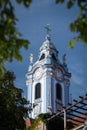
<point x="34" y="125"/>
<point x="10" y="39"/>
<point x="12" y="104"/>
<point x="42" y="117"/>
<point x="54" y="124"/>
<point x="79" y="26"/>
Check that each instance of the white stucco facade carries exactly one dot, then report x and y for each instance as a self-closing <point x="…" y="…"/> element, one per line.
<point x="48" y="81"/>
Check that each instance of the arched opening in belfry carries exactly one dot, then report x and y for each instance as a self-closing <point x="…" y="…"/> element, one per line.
<point x="58" y="91"/>
<point x="53" y="56"/>
<point x="42" y="57"/>
<point x="37" y="91"/>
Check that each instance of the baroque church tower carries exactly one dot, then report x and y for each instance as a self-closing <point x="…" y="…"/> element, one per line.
<point x="48" y="80"/>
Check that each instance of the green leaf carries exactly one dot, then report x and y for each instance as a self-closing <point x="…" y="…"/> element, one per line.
<point x="59" y="1"/>
<point x="84" y="39"/>
<point x="71" y="44"/>
<point x="27" y="2"/>
<point x="19" y="1"/>
<point x="72" y="27"/>
<point x="25" y="43"/>
<point x="18" y="57"/>
<point x="69" y="4"/>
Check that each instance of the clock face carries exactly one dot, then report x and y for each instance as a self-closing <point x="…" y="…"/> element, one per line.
<point x="38" y="73"/>
<point x="59" y="74"/>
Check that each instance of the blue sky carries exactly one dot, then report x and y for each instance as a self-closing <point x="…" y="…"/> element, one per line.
<point x="31" y="24"/>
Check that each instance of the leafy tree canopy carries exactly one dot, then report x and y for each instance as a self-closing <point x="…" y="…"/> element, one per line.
<point x="10" y="39"/>
<point x="54" y="124"/>
<point x="78" y="26"/>
<point x="12" y="104"/>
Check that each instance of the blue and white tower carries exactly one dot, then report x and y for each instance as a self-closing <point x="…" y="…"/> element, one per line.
<point x="48" y="80"/>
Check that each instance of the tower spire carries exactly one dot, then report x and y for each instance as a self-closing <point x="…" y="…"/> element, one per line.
<point x="47" y="27"/>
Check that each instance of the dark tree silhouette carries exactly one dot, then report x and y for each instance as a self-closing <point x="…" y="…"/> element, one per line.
<point x="12" y="104"/>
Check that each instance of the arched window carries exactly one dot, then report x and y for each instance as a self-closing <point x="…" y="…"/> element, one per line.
<point x="37" y="91"/>
<point x="53" y="56"/>
<point x="42" y="57"/>
<point x="58" y="92"/>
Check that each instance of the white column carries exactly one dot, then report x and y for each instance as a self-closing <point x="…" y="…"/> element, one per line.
<point x="64" y="119"/>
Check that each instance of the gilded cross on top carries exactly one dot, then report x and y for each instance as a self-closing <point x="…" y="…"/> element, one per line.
<point x="48" y="29"/>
